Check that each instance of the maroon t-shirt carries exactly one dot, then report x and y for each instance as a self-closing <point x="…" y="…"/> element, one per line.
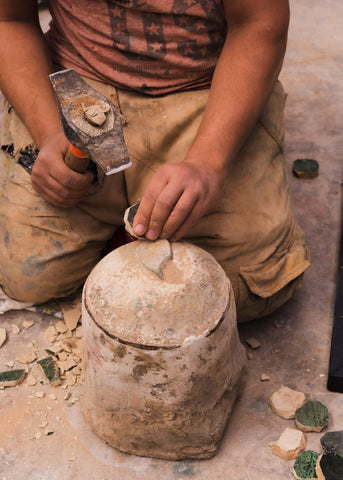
<point x="152" y="46"/>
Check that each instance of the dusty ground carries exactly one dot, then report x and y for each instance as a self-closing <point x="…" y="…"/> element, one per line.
<point x="295" y="341"/>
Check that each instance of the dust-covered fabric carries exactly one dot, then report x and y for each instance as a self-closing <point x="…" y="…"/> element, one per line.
<point x="151" y="46"/>
<point x="49" y="251"/>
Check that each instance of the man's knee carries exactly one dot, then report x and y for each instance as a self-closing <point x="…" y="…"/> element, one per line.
<point x="251" y="306"/>
<point x="35" y="280"/>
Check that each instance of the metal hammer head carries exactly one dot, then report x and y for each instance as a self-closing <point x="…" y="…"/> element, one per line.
<point x="90" y="121"/>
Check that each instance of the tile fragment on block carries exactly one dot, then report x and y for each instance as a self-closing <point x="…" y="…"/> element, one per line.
<point x="286" y="401"/>
<point x="129" y="216"/>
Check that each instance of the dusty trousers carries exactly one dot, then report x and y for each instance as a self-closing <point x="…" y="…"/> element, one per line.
<point x="48" y="252"/>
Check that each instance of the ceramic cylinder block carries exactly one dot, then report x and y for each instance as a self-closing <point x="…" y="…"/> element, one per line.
<point x="162" y="357"/>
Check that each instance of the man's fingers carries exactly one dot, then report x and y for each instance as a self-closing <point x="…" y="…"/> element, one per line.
<point x="52" y="191"/>
<point x="143" y="216"/>
<point x="163" y="208"/>
<point x="179" y="214"/>
<point x="190" y="221"/>
<point x="69" y="179"/>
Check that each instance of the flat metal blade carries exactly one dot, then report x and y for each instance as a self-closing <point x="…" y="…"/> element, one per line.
<point x="104" y="143"/>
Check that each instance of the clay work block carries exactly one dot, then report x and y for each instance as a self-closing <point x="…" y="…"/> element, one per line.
<point x="332" y="442"/>
<point x="49" y="368"/>
<point x="305" y="465"/>
<point x="329" y="467"/>
<point x="312" y="417"/>
<point x="286" y="401"/>
<point x="305" y="168"/>
<point x="290" y="444"/>
<point x="11" y="378"/>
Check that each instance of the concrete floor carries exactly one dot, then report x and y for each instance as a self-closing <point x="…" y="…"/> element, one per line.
<point x="295" y="340"/>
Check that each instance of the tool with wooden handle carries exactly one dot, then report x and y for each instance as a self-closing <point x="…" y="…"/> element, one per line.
<point x="91" y="123"/>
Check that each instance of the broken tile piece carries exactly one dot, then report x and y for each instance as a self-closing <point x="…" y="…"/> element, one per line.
<point x="304" y="467"/>
<point x="329" y="467"/>
<point x="290" y="444"/>
<point x="332" y="442"/>
<point x="11" y="378"/>
<point x="129" y="216"/>
<point x="31" y="380"/>
<point x="252" y="342"/>
<point x="27" y="324"/>
<point x="286" y="401"/>
<point x="15" y="329"/>
<point x="305" y="168"/>
<point x="67" y="364"/>
<point x="67" y="396"/>
<point x="313" y="416"/>
<point x="27" y="358"/>
<point x="51" y="333"/>
<point x="264" y="377"/>
<point x="78" y="332"/>
<point x="61" y="327"/>
<point x="3" y="336"/>
<point x="50" y="370"/>
<point x="71" y="315"/>
<point x="62" y="356"/>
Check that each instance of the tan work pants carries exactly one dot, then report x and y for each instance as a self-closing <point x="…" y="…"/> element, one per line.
<point x="47" y="252"/>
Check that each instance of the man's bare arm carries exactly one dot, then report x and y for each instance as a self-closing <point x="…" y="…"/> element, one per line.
<point x="180" y="194"/>
<point x="24" y="80"/>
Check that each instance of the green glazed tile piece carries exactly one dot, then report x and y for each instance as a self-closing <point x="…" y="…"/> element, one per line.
<point x="331" y="467"/>
<point x="313" y="416"/>
<point x="305" y="168"/>
<point x="11" y="378"/>
<point x="305" y="465"/>
<point x="332" y="442"/>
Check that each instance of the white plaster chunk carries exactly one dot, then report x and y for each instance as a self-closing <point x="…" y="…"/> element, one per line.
<point x="286" y="401"/>
<point x="155" y="255"/>
<point x="290" y="444"/>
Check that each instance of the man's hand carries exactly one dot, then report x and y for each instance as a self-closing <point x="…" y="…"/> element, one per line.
<point x="178" y="195"/>
<point x="53" y="180"/>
